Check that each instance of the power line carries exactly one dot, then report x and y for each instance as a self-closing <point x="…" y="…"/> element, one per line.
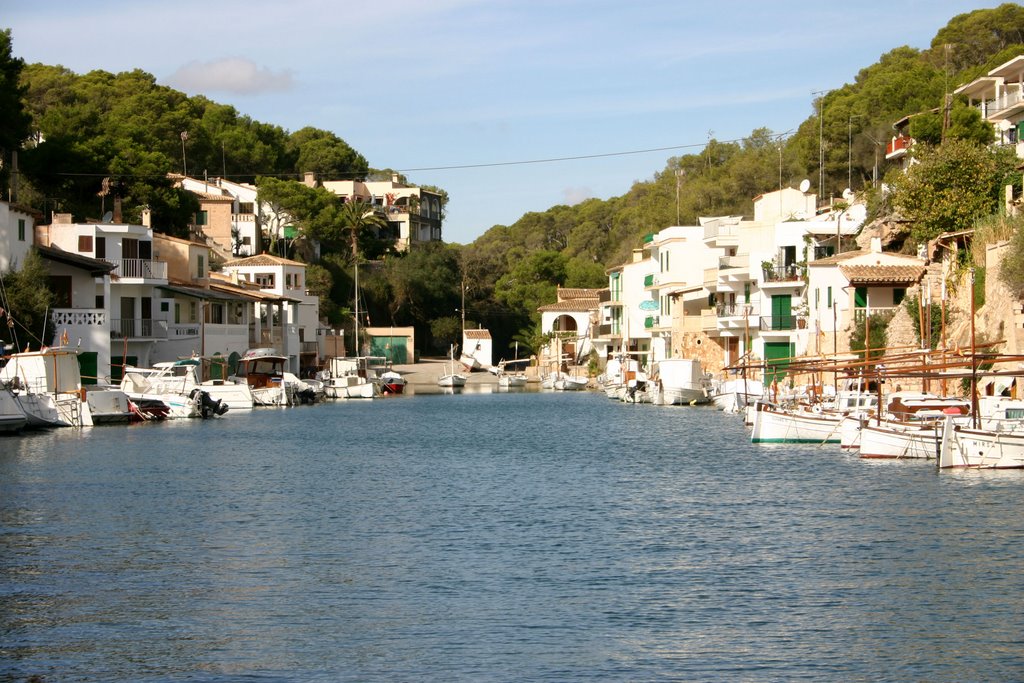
<point x="554" y="159"/>
<point x="434" y="168"/>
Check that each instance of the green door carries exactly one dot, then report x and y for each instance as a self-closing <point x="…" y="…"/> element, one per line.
<point x="782" y="312"/>
<point x="392" y="348"/>
<point x="776" y="356"/>
<point x="87" y="361"/>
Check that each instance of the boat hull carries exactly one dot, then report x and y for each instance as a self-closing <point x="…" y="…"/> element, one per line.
<point x="772" y="425"/>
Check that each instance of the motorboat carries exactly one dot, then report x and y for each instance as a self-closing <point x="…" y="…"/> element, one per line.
<point x="47" y="385"/>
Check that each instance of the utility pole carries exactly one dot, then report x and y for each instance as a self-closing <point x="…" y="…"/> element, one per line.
<point x="849" y="151"/>
<point x="184" y="165"/>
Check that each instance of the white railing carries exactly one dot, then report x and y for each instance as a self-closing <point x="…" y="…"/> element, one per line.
<point x="78" y="317"/>
<point x="140" y="268"/>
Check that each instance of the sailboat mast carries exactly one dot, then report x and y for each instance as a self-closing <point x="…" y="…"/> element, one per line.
<point x="356" y="266"/>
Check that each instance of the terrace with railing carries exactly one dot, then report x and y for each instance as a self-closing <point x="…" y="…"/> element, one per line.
<point x="137" y="268"/>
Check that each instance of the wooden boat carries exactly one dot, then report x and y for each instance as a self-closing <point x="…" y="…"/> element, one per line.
<point x="773" y="424"/>
<point x="452" y="379"/>
<point x="994" y="448"/>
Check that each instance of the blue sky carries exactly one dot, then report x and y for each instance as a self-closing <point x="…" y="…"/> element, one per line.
<point x="429" y="86"/>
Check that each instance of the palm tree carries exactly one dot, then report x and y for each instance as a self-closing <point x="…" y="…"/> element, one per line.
<point x="357" y="216"/>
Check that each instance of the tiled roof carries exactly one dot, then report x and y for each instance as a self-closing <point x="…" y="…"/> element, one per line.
<point x="477" y="334"/>
<point x="838" y="258"/>
<point x="572" y="306"/>
<point x="262" y="260"/>
<point x="882" y="274"/>
<point x="566" y="293"/>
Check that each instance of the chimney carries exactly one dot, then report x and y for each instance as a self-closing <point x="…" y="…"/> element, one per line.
<point x="117" y="210"/>
<point x="394" y="178"/>
<point x="147" y="217"/>
<point x="876" y="245"/>
<point x="309" y="178"/>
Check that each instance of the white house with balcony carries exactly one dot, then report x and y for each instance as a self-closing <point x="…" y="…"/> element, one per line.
<point x="230" y="215"/>
<point x="288" y="316"/>
<point x="999" y="96"/>
<point x="626" y="318"/>
<point x="134" y="281"/>
<point x="413" y="214"/>
<point x="677" y="285"/>
<point x="195" y="318"/>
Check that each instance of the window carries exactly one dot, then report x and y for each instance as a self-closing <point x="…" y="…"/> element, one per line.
<point x="215" y="314"/>
<point x="85" y="244"/>
<point x="245" y="207"/>
<point x="200" y="267"/>
<point x="746" y="292"/>
<point x="898" y="294"/>
<point x="264" y="280"/>
<point x="101" y="247"/>
<point x="192" y="312"/>
<point x="201" y="218"/>
<point x="100" y="301"/>
<point x="828" y="297"/>
<point x="21" y="229"/>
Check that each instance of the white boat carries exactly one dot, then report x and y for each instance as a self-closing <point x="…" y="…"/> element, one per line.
<point x="351" y="378"/>
<point x="263" y="370"/>
<point x="235" y="395"/>
<point x="563" y="381"/>
<point x="617" y="374"/>
<point x="110" y="405"/>
<point x="773" y="424"/>
<point x="911" y="426"/>
<point x="12" y="417"/>
<point x="452" y="379"/>
<point x="47" y="385"/>
<point x="734" y="395"/>
<point x="678" y="381"/>
<point x="178" y="392"/>
<point x="513" y="380"/>
<point x="997" y="447"/>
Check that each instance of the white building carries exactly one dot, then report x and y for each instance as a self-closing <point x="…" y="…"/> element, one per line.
<point x="296" y="313"/>
<point x="17" y="227"/>
<point x="413" y="214"/>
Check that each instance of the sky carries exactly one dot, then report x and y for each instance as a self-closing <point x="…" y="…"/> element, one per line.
<point x="510" y="106"/>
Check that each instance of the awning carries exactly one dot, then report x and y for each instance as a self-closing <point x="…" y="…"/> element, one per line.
<point x="202" y="293"/>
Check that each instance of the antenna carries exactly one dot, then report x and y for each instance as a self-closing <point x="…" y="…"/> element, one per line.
<point x="805" y="185"/>
<point x="107" y="217"/>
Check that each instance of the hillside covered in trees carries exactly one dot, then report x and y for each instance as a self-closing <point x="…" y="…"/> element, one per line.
<point x="73" y="131"/>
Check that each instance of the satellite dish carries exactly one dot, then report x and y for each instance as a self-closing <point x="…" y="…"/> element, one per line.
<point x="848" y="194"/>
<point x="805" y="185"/>
<point x="107" y="217"/>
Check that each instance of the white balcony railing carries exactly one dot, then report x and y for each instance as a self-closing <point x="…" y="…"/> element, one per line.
<point x="145" y="269"/>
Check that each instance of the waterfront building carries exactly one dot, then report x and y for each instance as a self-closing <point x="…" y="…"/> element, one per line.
<point x="572" y="320"/>
<point x="286" y="315"/>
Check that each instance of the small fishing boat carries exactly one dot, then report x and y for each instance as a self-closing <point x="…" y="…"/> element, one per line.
<point x="452" y="379"/>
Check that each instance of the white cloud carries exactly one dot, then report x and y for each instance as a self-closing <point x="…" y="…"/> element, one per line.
<point x="234" y="75"/>
<point x="575" y="195"/>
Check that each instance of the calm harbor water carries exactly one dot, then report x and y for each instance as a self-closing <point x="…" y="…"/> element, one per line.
<point x="497" y="537"/>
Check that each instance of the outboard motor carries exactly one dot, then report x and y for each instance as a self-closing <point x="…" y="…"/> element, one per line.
<point x="208" y="406"/>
